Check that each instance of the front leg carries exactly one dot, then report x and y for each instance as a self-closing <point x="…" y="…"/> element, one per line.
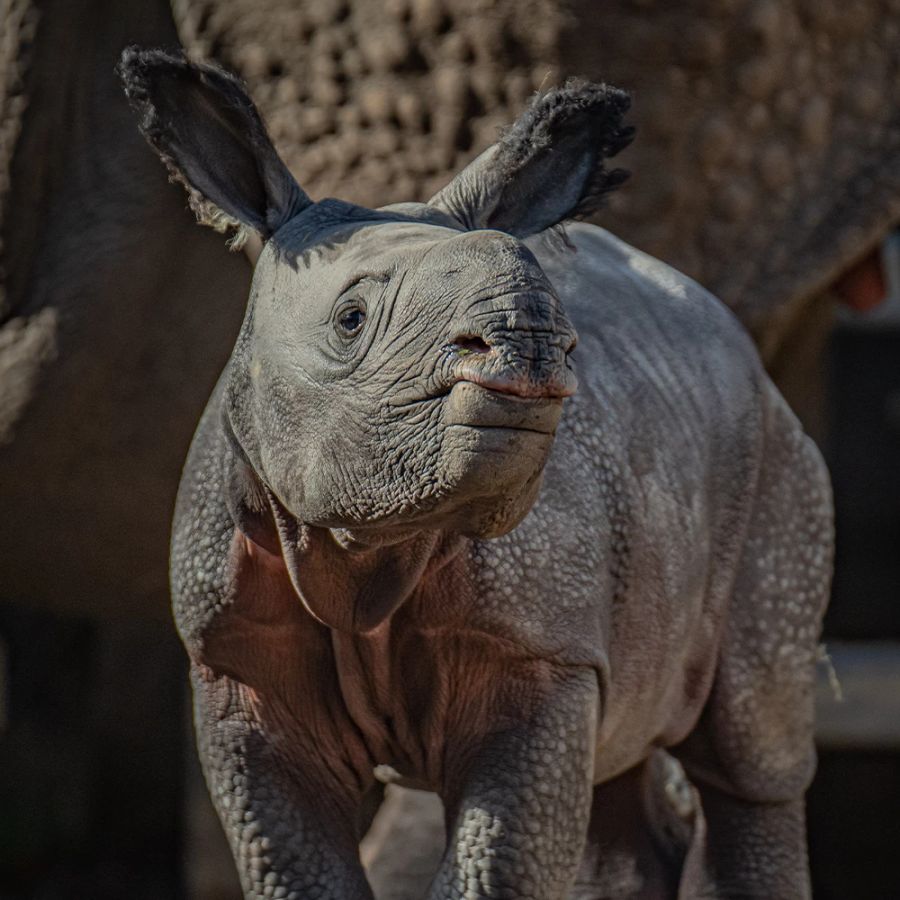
<point x="519" y="796"/>
<point x="289" y="817"/>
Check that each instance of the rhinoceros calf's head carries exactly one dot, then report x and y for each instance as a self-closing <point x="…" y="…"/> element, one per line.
<point x="397" y="368"/>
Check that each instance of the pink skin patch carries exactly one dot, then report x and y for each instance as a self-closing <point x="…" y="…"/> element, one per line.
<point x="863" y="287"/>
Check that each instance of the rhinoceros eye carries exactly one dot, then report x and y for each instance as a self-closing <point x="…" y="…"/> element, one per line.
<point x="350" y="318"/>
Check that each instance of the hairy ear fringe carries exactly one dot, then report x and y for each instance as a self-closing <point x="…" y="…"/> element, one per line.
<point x="209" y="214"/>
<point x="577" y="106"/>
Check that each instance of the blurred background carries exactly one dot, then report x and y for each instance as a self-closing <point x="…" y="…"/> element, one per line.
<point x="767" y="166"/>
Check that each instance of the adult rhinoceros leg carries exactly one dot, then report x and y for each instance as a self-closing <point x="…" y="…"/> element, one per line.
<point x="752" y="755"/>
<point x="289" y="818"/>
<point x="519" y="798"/>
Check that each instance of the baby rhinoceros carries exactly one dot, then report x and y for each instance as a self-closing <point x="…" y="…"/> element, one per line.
<point x="404" y="538"/>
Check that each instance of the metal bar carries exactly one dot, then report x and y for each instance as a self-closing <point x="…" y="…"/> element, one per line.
<point x="858" y="696"/>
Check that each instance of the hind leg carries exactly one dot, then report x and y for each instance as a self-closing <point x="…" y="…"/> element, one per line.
<point x="641" y="831"/>
<point x="752" y="755"/>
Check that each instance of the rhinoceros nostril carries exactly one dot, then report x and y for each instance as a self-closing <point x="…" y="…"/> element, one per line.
<point x="464" y="344"/>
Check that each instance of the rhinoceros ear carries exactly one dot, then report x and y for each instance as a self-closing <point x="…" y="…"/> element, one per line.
<point x="548" y="167"/>
<point x="207" y="131"/>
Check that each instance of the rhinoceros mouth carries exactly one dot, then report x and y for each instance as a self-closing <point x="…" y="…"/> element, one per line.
<point x="557" y="386"/>
<point x="473" y="405"/>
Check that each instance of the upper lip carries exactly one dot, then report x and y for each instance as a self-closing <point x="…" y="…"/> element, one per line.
<point x="472" y="404"/>
<point x="561" y="383"/>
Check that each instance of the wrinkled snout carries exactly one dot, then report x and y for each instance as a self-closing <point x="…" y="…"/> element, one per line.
<point x="517" y="344"/>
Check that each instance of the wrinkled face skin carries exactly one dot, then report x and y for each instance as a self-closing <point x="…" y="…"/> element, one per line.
<point x="399" y="375"/>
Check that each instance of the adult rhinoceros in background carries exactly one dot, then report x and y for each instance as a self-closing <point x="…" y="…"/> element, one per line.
<point x="116" y="314"/>
<point x="768" y="162"/>
<point x="367" y="571"/>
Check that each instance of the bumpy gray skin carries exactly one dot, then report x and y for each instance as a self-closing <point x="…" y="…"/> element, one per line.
<point x="346" y="576"/>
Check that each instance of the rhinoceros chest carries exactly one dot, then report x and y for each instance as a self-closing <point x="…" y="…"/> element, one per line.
<point x="448" y="668"/>
<point x="459" y="661"/>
